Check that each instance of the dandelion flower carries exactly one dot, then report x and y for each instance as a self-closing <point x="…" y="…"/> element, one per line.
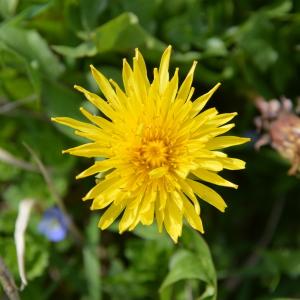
<point x="157" y="148"/>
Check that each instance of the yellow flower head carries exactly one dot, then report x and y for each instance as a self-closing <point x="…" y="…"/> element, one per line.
<point x="157" y="148"/>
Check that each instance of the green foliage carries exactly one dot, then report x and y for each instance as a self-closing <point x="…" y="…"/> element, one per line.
<point x="194" y="263"/>
<point x="92" y="261"/>
<point x="46" y="47"/>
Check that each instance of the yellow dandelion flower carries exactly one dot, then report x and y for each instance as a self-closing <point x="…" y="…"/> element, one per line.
<point x="157" y="148"/>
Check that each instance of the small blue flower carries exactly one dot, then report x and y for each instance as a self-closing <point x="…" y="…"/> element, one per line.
<point x="54" y="224"/>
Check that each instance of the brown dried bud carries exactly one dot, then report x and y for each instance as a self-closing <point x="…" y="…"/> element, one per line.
<point x="281" y="128"/>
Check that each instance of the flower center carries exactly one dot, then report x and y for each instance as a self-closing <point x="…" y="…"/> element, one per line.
<point x="154" y="153"/>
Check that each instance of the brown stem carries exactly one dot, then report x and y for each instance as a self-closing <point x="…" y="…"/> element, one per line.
<point x="8" y="282"/>
<point x="10" y="159"/>
<point x="78" y="237"/>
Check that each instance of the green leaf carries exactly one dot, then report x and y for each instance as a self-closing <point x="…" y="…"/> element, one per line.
<point x="195" y="263"/>
<point x="29" y="12"/>
<point x="195" y="242"/>
<point x="87" y="49"/>
<point x="278" y="9"/>
<point x="215" y="47"/>
<point x="92" y="267"/>
<point x="22" y="189"/>
<point x="17" y="64"/>
<point x="256" y="39"/>
<point x="287" y="261"/>
<point x="121" y="34"/>
<point x="151" y="233"/>
<point x="36" y="254"/>
<point x="60" y="101"/>
<point x="184" y="265"/>
<point x="146" y="11"/>
<point x="8" y="7"/>
<point x="33" y="48"/>
<point x="90" y="11"/>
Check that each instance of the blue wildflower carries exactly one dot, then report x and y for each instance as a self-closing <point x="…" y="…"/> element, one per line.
<point x="54" y="224"/>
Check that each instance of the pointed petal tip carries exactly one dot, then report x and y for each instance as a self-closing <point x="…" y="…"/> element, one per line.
<point x="122" y="230"/>
<point x="78" y="88"/>
<point x="53" y="119"/>
<point x="174" y="239"/>
<point x="92" y="207"/>
<point x="223" y="209"/>
<point x="167" y="51"/>
<point x="137" y="52"/>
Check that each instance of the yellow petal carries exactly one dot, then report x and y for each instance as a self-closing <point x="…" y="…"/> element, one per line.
<point x="211" y="132"/>
<point x="127" y="76"/>
<point x="105" y="87"/>
<point x="96" y="100"/>
<point x="82" y="126"/>
<point x="221" y="119"/>
<point x="100" y="187"/>
<point x="142" y="65"/>
<point x="97" y="167"/>
<point x="173" y="221"/>
<point x="200" y="102"/>
<point x="110" y="215"/>
<point x="203" y="117"/>
<point x="159" y="214"/>
<point x="90" y="150"/>
<point x="164" y="69"/>
<point x="148" y="215"/>
<point x="184" y="89"/>
<point x="177" y="199"/>
<point x="209" y="164"/>
<point x="221" y="142"/>
<point x="171" y="90"/>
<point x="213" y="178"/>
<point x="208" y="195"/>
<point x="141" y="87"/>
<point x="127" y="219"/>
<point x="190" y="193"/>
<point x="101" y="201"/>
<point x="158" y="172"/>
<point x="232" y="163"/>
<point x="149" y="198"/>
<point x="162" y="198"/>
<point x="192" y="216"/>
<point x="99" y="121"/>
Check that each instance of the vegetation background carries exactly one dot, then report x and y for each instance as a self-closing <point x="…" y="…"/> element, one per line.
<point x="252" y="47"/>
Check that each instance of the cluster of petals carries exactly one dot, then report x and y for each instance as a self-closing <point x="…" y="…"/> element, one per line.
<point x="154" y="147"/>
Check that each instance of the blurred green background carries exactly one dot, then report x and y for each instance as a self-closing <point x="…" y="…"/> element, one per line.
<point x="252" y="47"/>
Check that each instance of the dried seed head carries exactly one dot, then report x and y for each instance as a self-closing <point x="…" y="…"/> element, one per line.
<point x="281" y="129"/>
